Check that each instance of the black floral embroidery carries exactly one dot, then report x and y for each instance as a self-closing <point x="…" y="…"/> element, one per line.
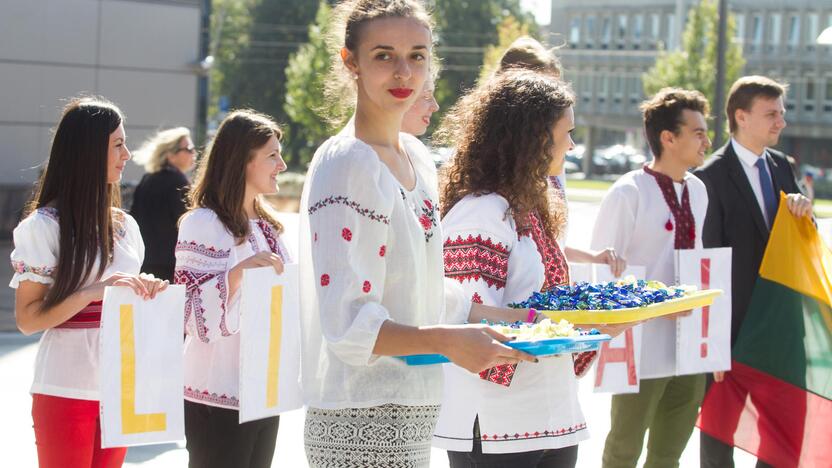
<point x="341" y="200"/>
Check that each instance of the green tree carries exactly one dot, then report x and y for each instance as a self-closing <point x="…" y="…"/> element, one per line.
<point x="464" y="29"/>
<point x="305" y="80"/>
<point x="694" y="66"/>
<point x="508" y="31"/>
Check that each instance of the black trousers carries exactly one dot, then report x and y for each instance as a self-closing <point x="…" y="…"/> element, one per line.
<point x="713" y="453"/>
<point x="216" y="439"/>
<point x="566" y="457"/>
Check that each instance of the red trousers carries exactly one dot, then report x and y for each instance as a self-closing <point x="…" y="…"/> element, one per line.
<point x="68" y="434"/>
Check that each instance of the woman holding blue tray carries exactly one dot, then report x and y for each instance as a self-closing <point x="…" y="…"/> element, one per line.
<point x="371" y="267"/>
<point x="500" y="226"/>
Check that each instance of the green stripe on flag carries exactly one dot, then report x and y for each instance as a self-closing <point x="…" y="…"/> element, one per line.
<point x="786" y="336"/>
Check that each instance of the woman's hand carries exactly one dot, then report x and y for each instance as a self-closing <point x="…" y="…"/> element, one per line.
<point x="479" y="347"/>
<point x="144" y="285"/>
<point x="611" y="258"/>
<point x="261" y="259"/>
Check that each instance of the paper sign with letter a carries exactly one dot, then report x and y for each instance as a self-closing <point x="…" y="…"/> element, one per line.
<point x="269" y="343"/>
<point x="703" y="339"/>
<point x="619" y="361"/>
<point x="141" y="367"/>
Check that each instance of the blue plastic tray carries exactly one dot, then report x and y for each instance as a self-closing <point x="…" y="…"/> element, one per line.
<point x="547" y="347"/>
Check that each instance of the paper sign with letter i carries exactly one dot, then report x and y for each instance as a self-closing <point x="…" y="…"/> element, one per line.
<point x="619" y="361"/>
<point x="141" y="367"/>
<point x="703" y="339"/>
<point x="269" y="343"/>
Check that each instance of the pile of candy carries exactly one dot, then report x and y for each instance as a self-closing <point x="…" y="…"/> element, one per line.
<point x="624" y="294"/>
<point x="542" y="330"/>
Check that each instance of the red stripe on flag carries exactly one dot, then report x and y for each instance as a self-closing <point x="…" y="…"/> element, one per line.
<point x="779" y="423"/>
<point x="705" y="272"/>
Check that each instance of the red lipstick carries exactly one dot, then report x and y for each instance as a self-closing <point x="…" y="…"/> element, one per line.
<point x="400" y="93"/>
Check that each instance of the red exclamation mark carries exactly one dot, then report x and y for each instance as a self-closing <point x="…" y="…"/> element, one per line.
<point x="705" y="272"/>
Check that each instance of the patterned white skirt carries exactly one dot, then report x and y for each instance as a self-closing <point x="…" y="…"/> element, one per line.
<point x="391" y="436"/>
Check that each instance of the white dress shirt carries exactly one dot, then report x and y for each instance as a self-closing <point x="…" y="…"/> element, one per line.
<point x="749" y="159"/>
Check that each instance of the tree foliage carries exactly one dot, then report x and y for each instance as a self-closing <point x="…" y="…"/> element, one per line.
<point x="509" y="30"/>
<point x="694" y="66"/>
<point x="305" y="79"/>
<point x="464" y="29"/>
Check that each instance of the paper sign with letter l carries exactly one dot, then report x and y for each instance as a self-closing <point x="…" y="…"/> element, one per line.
<point x="619" y="360"/>
<point x="703" y="339"/>
<point x="269" y="343"/>
<point x="141" y="368"/>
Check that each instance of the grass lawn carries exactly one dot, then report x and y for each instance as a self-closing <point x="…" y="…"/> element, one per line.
<point x="591" y="184"/>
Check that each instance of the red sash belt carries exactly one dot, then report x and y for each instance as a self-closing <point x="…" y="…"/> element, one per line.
<point x="88" y="317"/>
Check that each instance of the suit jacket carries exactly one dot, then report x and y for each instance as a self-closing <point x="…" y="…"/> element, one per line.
<point x="158" y="203"/>
<point x="734" y="219"/>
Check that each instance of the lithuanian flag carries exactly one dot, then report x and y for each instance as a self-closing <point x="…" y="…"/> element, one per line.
<point x="776" y="402"/>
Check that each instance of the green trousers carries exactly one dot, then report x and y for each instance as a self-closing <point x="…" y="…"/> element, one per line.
<point x="668" y="407"/>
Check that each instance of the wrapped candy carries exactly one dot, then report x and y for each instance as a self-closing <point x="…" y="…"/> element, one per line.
<point x="625" y="294"/>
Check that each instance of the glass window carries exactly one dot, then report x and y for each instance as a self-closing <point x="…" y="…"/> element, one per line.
<point x="589" y="28"/>
<point x="757" y="30"/>
<point x="622" y="27"/>
<point x="575" y="30"/>
<point x="739" y="27"/>
<point x="671" y="30"/>
<point x="775" y="28"/>
<point x="812" y="32"/>
<point x="794" y="30"/>
<point x="606" y="32"/>
<point x="810" y="90"/>
<point x="654" y="26"/>
<point x="828" y="95"/>
<point x="638" y="27"/>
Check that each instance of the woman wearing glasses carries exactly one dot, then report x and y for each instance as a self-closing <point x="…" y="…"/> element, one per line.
<point x="159" y="200"/>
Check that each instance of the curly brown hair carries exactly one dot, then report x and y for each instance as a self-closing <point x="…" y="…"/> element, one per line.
<point x="501" y="132"/>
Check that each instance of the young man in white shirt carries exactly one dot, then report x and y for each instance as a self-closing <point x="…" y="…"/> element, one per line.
<point x="647" y="215"/>
<point x="744" y="179"/>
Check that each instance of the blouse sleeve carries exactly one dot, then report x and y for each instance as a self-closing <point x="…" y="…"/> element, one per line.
<point x="349" y="207"/>
<point x="35" y="254"/>
<point x="615" y="222"/>
<point x="202" y="263"/>
<point x="477" y="245"/>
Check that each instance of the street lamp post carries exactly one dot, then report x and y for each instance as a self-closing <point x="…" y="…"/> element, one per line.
<point x="719" y="95"/>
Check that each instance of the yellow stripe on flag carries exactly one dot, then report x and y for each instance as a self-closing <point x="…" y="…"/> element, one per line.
<point x="797" y="258"/>
<point x="276" y="319"/>
<point x="132" y="423"/>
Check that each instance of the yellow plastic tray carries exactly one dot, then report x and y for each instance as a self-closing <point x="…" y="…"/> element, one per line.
<point x="693" y="300"/>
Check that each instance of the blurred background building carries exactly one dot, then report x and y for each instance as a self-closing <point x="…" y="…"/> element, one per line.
<point x="143" y="55"/>
<point x="611" y="43"/>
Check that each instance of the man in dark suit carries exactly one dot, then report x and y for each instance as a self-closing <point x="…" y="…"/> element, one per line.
<point x="744" y="179"/>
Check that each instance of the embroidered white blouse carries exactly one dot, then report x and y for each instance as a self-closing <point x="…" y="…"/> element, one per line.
<point x="370" y="251"/>
<point x="540" y="408"/>
<point x="632" y="219"/>
<point x="67" y="361"/>
<point x="205" y="252"/>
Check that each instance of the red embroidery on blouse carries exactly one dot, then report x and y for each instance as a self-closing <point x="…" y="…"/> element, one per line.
<point x="554" y="262"/>
<point x="324" y="280"/>
<point x="535" y="435"/>
<point x="685" y="235"/>
<point x="583" y="361"/>
<point x="382" y="250"/>
<point x="346" y="234"/>
<point x="476" y="299"/>
<point x="475" y="258"/>
<point x="367" y="287"/>
<point x="315" y="237"/>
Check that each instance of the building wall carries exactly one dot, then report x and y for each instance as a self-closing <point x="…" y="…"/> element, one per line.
<point x="609" y="44"/>
<point x="139" y="54"/>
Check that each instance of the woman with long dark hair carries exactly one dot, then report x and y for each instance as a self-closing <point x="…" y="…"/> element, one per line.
<point x="73" y="243"/>
<point x="229" y="228"/>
